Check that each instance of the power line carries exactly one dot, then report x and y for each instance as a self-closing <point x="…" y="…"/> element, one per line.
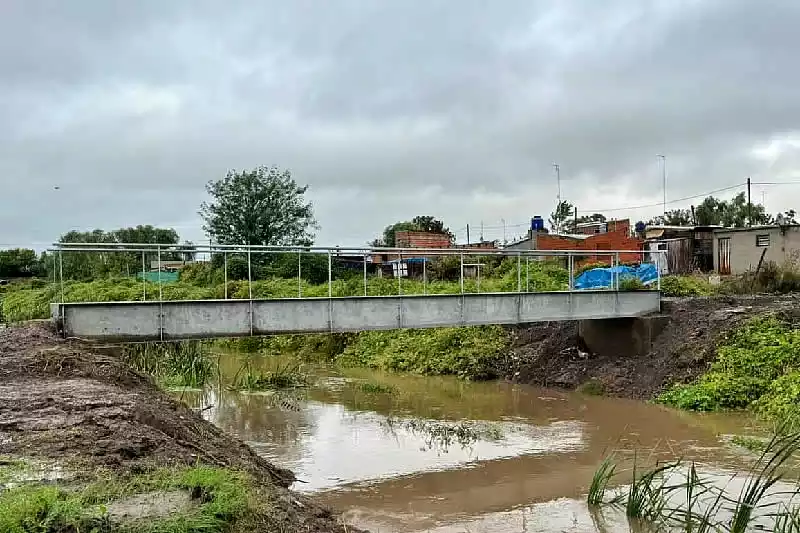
<point x="643" y="206"/>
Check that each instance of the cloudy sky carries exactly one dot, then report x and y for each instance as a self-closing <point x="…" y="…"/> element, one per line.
<point x="390" y="109"/>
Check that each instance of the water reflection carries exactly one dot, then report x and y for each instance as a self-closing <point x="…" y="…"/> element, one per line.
<point x="346" y="444"/>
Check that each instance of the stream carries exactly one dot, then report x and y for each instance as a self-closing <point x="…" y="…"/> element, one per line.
<point x="515" y="459"/>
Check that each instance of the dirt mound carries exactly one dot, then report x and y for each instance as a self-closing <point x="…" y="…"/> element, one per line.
<point x="552" y="354"/>
<point x="66" y="402"/>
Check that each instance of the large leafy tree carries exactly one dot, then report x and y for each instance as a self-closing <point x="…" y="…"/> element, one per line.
<point x="419" y="223"/>
<point x="263" y="206"/>
<point x="89" y="265"/>
<point x="19" y="262"/>
<point x="733" y="213"/>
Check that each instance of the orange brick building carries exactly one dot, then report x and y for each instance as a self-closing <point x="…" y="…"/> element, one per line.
<point x="616" y="237"/>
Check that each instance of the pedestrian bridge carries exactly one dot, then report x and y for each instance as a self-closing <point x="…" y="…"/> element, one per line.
<point x="157" y="319"/>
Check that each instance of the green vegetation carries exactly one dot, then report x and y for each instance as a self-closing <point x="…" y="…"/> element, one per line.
<point x="263" y="206"/>
<point x="686" y="286"/>
<point x="469" y="352"/>
<point x="376" y="388"/>
<point x="287" y="375"/>
<point x="757" y="366"/>
<point x="592" y="387"/>
<point x="754" y="444"/>
<point x="173" y="364"/>
<point x="218" y="500"/>
<point x="674" y="497"/>
<point x="421" y="223"/>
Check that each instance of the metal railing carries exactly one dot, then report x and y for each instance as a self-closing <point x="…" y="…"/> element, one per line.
<point x="392" y="256"/>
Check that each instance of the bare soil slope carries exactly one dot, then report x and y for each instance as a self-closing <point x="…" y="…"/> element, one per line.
<point x="66" y="402"/>
<point x="552" y="354"/>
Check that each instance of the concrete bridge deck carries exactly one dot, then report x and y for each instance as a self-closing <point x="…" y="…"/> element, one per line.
<point x="196" y="319"/>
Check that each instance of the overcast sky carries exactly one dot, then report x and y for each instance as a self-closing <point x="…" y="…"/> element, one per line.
<point x="390" y="109"/>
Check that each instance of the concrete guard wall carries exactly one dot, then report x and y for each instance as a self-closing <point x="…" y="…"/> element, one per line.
<point x="146" y="321"/>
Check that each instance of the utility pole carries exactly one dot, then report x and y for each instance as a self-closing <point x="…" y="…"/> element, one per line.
<point x="467" y="234"/>
<point x="749" y="204"/>
<point x="503" y="221"/>
<point x="663" y="159"/>
<point x="481" y="231"/>
<point x="558" y="181"/>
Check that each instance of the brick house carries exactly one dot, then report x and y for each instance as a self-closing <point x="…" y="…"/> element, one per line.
<point x="615" y="237"/>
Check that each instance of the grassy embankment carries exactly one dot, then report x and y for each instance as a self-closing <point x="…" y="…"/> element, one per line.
<point x="757" y="368"/>
<point x="166" y="500"/>
<point x="468" y="352"/>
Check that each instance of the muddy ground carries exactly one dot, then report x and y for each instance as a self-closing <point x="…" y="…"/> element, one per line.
<point x="64" y="402"/>
<point x="552" y="354"/>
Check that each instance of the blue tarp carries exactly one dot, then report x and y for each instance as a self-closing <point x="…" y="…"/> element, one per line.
<point x="603" y="278"/>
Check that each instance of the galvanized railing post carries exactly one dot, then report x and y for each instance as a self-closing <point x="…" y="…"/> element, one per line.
<point x="519" y="272"/>
<point x="299" y="274"/>
<point x="330" y="275"/>
<point x="658" y="272"/>
<point x="249" y="273"/>
<point x="425" y="275"/>
<point x="400" y="274"/>
<point x="61" y="272"/>
<point x="571" y="269"/>
<point x="461" y="277"/>
<point x="225" y="268"/>
<point x="478" y="268"/>
<point x="144" y="280"/>
<point x="365" y="274"/>
<point x="160" y="299"/>
<point x="527" y="274"/>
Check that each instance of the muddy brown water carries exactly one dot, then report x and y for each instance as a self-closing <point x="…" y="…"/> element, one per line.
<point x="357" y="452"/>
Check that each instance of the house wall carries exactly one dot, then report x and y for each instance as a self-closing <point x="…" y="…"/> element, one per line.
<point x="421" y="239"/>
<point x="744" y="254"/>
<point x="617" y="240"/>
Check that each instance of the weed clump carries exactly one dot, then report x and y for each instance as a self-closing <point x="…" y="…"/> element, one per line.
<point x="757" y="366"/>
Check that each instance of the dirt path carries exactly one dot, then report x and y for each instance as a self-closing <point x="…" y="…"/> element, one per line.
<point x="64" y="402"/>
<point x="551" y="354"/>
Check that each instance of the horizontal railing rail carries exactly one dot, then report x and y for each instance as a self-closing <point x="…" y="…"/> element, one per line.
<point x="365" y="255"/>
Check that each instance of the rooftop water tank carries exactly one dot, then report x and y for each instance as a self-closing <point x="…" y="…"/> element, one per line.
<point x="537" y="223"/>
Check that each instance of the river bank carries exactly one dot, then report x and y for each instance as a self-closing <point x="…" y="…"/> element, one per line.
<point x="554" y="355"/>
<point x="116" y="448"/>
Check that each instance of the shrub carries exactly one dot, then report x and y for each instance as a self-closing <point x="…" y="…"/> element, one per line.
<point x="757" y="366"/>
<point x="686" y="286"/>
<point x="468" y="352"/>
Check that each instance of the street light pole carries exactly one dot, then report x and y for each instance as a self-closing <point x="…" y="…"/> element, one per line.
<point x="663" y="159"/>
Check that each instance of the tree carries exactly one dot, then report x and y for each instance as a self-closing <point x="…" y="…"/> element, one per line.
<point x="18" y="263"/>
<point x="562" y="213"/>
<point x="733" y="213"/>
<point x="263" y="206"/>
<point x="90" y="265"/>
<point x="419" y="223"/>
<point x="674" y="217"/>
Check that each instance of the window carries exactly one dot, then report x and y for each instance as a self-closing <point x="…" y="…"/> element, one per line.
<point x="762" y="240"/>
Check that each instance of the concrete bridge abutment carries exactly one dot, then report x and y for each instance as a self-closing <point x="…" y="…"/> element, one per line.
<point x="621" y="337"/>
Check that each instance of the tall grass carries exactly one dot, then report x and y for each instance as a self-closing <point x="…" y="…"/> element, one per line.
<point x="179" y="364"/>
<point x="704" y="504"/>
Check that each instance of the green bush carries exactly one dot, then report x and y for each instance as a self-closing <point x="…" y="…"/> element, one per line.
<point x="686" y="286"/>
<point x="757" y="366"/>
<point x="468" y="352"/>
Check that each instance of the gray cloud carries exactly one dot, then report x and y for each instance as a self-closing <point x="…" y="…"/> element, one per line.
<point x="389" y="109"/>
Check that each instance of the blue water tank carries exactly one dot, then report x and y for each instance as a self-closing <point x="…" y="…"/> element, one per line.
<point x="537" y="223"/>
